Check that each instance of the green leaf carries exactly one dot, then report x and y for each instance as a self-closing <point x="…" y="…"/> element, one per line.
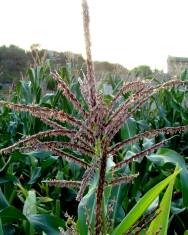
<point x="5" y="166"/>
<point x="164" y="156"/>
<point x="129" y="129"/>
<point x="47" y="98"/>
<point x="143" y="204"/>
<point x="87" y="205"/>
<point x="8" y="178"/>
<point x="11" y="214"/>
<point x="46" y="163"/>
<point x="117" y="194"/>
<point x="47" y="223"/>
<point x="44" y="199"/>
<point x="183" y="75"/>
<point x="23" y="190"/>
<point x="3" y="201"/>
<point x="160" y="223"/>
<point x="1" y="228"/>
<point x="39" y="154"/>
<point x="29" y="209"/>
<point x="30" y="204"/>
<point x="36" y="173"/>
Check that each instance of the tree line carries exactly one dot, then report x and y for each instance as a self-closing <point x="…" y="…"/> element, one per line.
<point x="14" y="62"/>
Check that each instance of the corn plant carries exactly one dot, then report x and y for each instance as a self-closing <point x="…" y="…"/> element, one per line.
<point x="90" y="135"/>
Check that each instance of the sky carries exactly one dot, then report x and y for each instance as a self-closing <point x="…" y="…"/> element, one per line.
<point x="129" y="32"/>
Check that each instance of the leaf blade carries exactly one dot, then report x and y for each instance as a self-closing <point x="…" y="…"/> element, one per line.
<point x="143" y="204"/>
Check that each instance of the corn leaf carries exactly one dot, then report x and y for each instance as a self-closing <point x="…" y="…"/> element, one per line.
<point x="143" y="204"/>
<point x="160" y="223"/>
<point x="166" y="156"/>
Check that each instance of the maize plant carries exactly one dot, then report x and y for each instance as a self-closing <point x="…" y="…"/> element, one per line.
<point x="92" y="131"/>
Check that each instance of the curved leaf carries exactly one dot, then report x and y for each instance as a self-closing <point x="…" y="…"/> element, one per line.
<point x="11" y="214"/>
<point x="30" y="204"/>
<point x="36" y="173"/>
<point x="87" y="205"/>
<point x="160" y="223"/>
<point x="143" y="204"/>
<point x="48" y="223"/>
<point x="165" y="155"/>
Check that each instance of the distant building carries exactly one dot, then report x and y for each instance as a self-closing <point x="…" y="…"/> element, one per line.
<point x="176" y="65"/>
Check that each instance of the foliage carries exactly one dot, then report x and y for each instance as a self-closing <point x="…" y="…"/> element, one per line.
<point x="92" y="147"/>
<point x="14" y="62"/>
<point x="144" y="203"/>
<point x="142" y="71"/>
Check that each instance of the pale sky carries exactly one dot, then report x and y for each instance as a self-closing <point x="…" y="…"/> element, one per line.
<point x="129" y="32"/>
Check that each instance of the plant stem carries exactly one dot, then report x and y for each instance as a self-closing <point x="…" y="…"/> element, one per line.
<point x="100" y="226"/>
